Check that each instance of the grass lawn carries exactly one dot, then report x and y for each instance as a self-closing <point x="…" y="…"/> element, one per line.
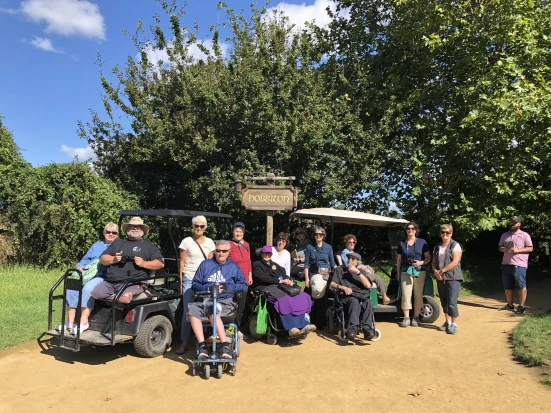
<point x="24" y="303"/>
<point x="531" y="340"/>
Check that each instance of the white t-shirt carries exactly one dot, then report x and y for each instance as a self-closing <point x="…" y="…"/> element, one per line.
<point x="442" y="253"/>
<point x="194" y="254"/>
<point x="284" y="259"/>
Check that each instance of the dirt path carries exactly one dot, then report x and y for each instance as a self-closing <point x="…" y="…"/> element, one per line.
<point x="471" y="372"/>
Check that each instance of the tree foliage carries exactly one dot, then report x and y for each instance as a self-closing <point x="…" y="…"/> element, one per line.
<point x="460" y="91"/>
<point x="197" y="125"/>
<point x="53" y="213"/>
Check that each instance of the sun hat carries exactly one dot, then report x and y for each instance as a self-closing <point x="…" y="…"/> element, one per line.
<point x="352" y="254"/>
<point x="238" y="225"/>
<point x="266" y="248"/>
<point x="135" y="221"/>
<point x="318" y="286"/>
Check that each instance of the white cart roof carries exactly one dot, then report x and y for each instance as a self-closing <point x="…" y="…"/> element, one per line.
<point x="347" y="217"/>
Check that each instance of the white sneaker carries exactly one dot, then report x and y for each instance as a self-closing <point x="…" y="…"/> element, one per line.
<point x="68" y="326"/>
<point x="83" y="328"/>
<point x="240" y="335"/>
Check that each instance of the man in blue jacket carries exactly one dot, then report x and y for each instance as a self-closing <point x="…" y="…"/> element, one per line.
<point x="225" y="273"/>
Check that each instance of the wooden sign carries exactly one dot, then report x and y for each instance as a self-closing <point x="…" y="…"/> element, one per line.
<point x="269" y="198"/>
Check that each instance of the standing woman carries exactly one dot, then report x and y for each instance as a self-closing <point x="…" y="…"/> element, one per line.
<point x="280" y="255"/>
<point x="447" y="270"/>
<point x="412" y="255"/>
<point x="193" y="251"/>
<point x="240" y="252"/>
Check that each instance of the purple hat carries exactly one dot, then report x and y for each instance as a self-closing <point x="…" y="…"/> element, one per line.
<point x="267" y="249"/>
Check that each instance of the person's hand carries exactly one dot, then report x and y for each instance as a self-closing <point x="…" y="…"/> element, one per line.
<point x="220" y="287"/>
<point x="513" y="249"/>
<point x="307" y="282"/>
<point x="353" y="269"/>
<point x="286" y="282"/>
<point x="347" y="290"/>
<point x="117" y="257"/>
<point x="138" y="261"/>
<point x="370" y="270"/>
<point x="80" y="269"/>
<point x="250" y="281"/>
<point x="417" y="264"/>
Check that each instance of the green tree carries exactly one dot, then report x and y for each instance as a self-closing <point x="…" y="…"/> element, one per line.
<point x="460" y="91"/>
<point x="197" y="125"/>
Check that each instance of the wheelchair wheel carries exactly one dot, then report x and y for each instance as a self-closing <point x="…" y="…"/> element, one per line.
<point x="330" y="321"/>
<point x="378" y="335"/>
<point x="207" y="371"/>
<point x="219" y="371"/>
<point x="252" y="328"/>
<point x="271" y="339"/>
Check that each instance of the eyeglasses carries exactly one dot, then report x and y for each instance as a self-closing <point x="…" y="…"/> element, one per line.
<point x="221" y="251"/>
<point x="282" y="240"/>
<point x="352" y="258"/>
<point x="111" y="232"/>
<point x="410" y="229"/>
<point x="351" y="242"/>
<point x="200" y="226"/>
<point x="445" y="232"/>
<point x="135" y="227"/>
<point x="318" y="235"/>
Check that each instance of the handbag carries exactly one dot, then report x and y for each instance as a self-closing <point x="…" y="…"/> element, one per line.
<point x="261" y="317"/>
<point x="89" y="272"/>
<point x="290" y="290"/>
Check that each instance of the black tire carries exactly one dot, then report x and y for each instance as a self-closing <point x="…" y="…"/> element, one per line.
<point x="219" y="371"/>
<point x="252" y="328"/>
<point x="271" y="339"/>
<point x="207" y="371"/>
<point x="154" y="337"/>
<point x="430" y="310"/>
<point x="330" y="321"/>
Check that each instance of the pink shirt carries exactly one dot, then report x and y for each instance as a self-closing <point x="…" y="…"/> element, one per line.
<point x="519" y="239"/>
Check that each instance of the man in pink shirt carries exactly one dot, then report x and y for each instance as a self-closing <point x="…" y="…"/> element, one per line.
<point x="515" y="245"/>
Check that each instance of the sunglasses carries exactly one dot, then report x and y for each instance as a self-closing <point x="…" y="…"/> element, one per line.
<point x="410" y="229"/>
<point x="135" y="227"/>
<point x="111" y="232"/>
<point x="351" y="242"/>
<point x="282" y="240"/>
<point x="445" y="232"/>
<point x="221" y="251"/>
<point x="318" y="235"/>
<point x="200" y="226"/>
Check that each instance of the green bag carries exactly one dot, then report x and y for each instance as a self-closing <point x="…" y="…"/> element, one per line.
<point x="261" y="317"/>
<point x="89" y="272"/>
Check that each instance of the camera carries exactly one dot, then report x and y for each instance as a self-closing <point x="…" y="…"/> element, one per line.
<point x="411" y="259"/>
<point x="127" y="257"/>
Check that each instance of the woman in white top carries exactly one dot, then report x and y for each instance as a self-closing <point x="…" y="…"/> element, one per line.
<point x="193" y="251"/>
<point x="280" y="255"/>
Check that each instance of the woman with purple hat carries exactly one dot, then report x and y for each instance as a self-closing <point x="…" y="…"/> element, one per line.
<point x="266" y="275"/>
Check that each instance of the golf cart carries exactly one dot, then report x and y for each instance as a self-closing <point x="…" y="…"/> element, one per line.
<point x="149" y="319"/>
<point x="431" y="307"/>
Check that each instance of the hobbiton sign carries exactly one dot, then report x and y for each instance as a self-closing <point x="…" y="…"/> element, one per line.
<point x="269" y="198"/>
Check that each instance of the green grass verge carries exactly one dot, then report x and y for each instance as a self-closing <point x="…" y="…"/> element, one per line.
<point x="531" y="340"/>
<point x="24" y="302"/>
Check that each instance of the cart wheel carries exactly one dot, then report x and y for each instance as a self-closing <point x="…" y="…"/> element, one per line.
<point x="207" y="371"/>
<point x="271" y="339"/>
<point x="194" y="372"/>
<point x="378" y="335"/>
<point x="252" y="328"/>
<point x="342" y="335"/>
<point x="330" y="321"/>
<point x="220" y="370"/>
<point x="430" y="310"/>
<point x="234" y="370"/>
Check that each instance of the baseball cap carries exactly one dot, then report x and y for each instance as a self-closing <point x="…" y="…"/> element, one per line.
<point x="238" y="225"/>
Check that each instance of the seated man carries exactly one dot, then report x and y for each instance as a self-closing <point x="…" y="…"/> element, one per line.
<point x="128" y="259"/>
<point x="222" y="271"/>
<point x="295" y="318"/>
<point x="350" y="243"/>
<point x="353" y="286"/>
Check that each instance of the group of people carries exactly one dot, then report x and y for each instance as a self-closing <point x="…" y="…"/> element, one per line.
<point x="228" y="264"/>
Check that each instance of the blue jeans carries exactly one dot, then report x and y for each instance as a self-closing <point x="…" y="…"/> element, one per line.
<point x="513" y="275"/>
<point x="87" y="300"/>
<point x="187" y="299"/>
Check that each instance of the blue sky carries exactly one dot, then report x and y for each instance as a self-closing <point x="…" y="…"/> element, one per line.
<point x="48" y="75"/>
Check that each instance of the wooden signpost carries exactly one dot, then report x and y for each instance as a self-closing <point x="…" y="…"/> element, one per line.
<point x="268" y="198"/>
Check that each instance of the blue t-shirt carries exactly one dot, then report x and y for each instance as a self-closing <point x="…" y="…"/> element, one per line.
<point x="322" y="255"/>
<point x="416" y="251"/>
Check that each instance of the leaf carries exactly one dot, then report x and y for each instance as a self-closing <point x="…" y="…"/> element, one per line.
<point x="415" y="393"/>
<point x="24" y="351"/>
<point x="500" y="374"/>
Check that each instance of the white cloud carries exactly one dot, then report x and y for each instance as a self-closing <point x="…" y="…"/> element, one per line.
<point x="82" y="154"/>
<point x="298" y="14"/>
<point x="8" y="11"/>
<point x="44" y="43"/>
<point x="66" y="17"/>
<point x="155" y="55"/>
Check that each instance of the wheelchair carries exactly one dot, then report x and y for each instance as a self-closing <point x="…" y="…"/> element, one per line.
<point x="215" y="363"/>
<point x="275" y="327"/>
<point x="337" y="320"/>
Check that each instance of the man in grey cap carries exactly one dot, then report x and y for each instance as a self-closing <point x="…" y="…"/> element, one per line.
<point x="515" y="245"/>
<point x="354" y="286"/>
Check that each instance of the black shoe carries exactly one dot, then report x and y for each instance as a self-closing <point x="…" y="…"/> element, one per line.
<point x="368" y="335"/>
<point x="351" y="334"/>
<point x="509" y="307"/>
<point x="520" y="310"/>
<point x="203" y="352"/>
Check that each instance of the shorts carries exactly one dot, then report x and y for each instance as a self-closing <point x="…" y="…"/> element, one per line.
<point x="512" y="276"/>
<point x="105" y="290"/>
<point x="203" y="309"/>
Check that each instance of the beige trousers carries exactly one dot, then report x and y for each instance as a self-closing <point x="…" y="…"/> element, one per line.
<point x="412" y="286"/>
